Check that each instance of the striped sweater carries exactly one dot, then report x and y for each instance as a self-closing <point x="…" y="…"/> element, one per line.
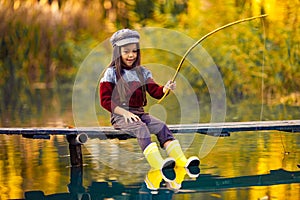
<point x="110" y="98"/>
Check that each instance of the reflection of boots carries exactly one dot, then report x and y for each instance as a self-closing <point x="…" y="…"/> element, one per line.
<point x="180" y="173"/>
<point x="155" y="160"/>
<point x="193" y="171"/>
<point x="174" y="150"/>
<point x="153" y="179"/>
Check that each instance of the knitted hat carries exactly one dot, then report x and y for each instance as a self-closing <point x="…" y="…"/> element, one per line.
<point x="124" y="36"/>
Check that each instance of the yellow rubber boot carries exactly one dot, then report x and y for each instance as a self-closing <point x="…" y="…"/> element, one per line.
<point x="155" y="160"/>
<point x="174" y="150"/>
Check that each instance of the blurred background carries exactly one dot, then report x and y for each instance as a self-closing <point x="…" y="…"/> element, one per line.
<point x="43" y="43"/>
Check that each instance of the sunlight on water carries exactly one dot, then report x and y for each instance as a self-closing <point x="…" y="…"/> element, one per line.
<point x="43" y="165"/>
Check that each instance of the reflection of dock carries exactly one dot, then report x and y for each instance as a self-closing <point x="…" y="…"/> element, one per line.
<point x="204" y="183"/>
<point x="79" y="135"/>
<point x="275" y="177"/>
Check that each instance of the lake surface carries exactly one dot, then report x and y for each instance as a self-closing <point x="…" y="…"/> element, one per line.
<point x="246" y="165"/>
<point x="113" y="169"/>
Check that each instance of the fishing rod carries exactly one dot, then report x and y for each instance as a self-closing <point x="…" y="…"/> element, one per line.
<point x="203" y="38"/>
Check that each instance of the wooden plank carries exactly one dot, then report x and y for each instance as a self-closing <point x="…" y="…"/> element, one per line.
<point x="287" y="125"/>
<point x="215" y="129"/>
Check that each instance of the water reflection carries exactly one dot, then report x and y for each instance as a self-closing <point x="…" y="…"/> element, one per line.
<point x="153" y="186"/>
<point x="242" y="166"/>
<point x="172" y="178"/>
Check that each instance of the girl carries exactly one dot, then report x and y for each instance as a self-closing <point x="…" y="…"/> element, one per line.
<point x="123" y="93"/>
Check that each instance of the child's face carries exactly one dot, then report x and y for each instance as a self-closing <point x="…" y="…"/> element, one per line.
<point x="129" y="54"/>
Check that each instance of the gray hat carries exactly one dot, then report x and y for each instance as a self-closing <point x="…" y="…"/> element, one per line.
<point x="124" y="36"/>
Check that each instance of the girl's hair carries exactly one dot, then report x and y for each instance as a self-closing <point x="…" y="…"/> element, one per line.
<point x="117" y="62"/>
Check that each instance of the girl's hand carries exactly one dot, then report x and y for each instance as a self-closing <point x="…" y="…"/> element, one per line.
<point x="130" y="117"/>
<point x="170" y="85"/>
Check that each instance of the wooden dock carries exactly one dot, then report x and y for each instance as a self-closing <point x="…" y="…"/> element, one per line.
<point x="213" y="129"/>
<point x="79" y="135"/>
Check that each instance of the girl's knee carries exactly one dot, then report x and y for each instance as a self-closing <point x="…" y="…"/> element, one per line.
<point x="141" y="130"/>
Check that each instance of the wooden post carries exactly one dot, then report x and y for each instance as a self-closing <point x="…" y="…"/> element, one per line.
<point x="75" y="151"/>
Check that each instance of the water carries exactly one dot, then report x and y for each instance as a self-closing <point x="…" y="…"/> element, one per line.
<point x="113" y="169"/>
<point x="34" y="169"/>
<point x="116" y="169"/>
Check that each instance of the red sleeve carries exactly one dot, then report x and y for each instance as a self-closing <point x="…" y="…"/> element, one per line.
<point x="155" y="90"/>
<point x="106" y="89"/>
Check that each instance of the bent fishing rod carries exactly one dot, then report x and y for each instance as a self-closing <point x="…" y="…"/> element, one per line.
<point x="203" y="38"/>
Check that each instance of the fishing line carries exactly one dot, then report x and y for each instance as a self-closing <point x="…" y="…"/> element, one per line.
<point x="263" y="69"/>
<point x="262" y="84"/>
<point x="283" y="146"/>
